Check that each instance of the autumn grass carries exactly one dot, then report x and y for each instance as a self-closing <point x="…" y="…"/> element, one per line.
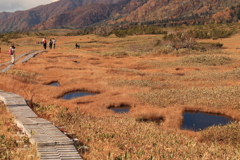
<point x="209" y="60"/>
<point x="23" y="76"/>
<point x="195" y="88"/>
<point x="14" y="144"/>
<point x="142" y="83"/>
<point x="191" y="61"/>
<point x="125" y="138"/>
<point x="131" y="46"/>
<point x="192" y="79"/>
<point x="164" y="82"/>
<point x="222" y="134"/>
<point x="219" y="97"/>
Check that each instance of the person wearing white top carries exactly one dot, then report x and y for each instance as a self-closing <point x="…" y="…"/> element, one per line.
<point x="12" y="53"/>
<point x="54" y="43"/>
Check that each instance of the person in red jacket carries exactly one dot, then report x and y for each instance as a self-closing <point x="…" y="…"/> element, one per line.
<point x="44" y="43"/>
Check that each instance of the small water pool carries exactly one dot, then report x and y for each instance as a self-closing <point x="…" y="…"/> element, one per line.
<point x="120" y="109"/>
<point x="199" y="121"/>
<point x="73" y="57"/>
<point x="76" y="94"/>
<point x="56" y="84"/>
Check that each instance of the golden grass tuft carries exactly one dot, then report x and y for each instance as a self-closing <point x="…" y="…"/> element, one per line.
<point x="14" y="144"/>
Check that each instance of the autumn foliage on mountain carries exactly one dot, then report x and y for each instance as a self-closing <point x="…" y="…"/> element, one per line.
<point x="82" y="13"/>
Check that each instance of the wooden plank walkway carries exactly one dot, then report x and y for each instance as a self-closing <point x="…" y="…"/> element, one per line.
<point x="50" y="141"/>
<point x="27" y="57"/>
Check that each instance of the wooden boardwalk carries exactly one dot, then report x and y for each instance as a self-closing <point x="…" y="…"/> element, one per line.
<point x="22" y="58"/>
<point x="50" y="141"/>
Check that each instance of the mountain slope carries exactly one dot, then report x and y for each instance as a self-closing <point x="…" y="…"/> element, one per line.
<point x="21" y="20"/>
<point x="78" y="17"/>
<point x="81" y="13"/>
<point x="157" y="10"/>
<point x="87" y="15"/>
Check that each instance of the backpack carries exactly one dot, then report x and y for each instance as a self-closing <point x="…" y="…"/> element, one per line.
<point x="10" y="51"/>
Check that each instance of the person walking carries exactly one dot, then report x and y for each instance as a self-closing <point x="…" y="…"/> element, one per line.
<point x="54" y="43"/>
<point x="44" y="43"/>
<point x="12" y="53"/>
<point x="50" y="43"/>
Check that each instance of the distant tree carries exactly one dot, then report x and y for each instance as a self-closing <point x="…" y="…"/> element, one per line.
<point x="213" y="31"/>
<point x="223" y="16"/>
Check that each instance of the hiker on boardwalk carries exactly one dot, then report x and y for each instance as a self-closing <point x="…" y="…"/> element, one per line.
<point x="50" y="43"/>
<point x="44" y="43"/>
<point x="54" y="43"/>
<point x="12" y="53"/>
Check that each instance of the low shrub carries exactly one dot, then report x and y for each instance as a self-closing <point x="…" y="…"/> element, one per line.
<point x="137" y="30"/>
<point x="209" y="60"/>
<point x="213" y="31"/>
<point x="163" y="50"/>
<point x="210" y="45"/>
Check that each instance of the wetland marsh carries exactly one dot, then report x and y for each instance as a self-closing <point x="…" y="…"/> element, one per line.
<point x="158" y="83"/>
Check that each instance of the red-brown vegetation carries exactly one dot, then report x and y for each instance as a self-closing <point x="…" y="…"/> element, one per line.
<point x="158" y="87"/>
